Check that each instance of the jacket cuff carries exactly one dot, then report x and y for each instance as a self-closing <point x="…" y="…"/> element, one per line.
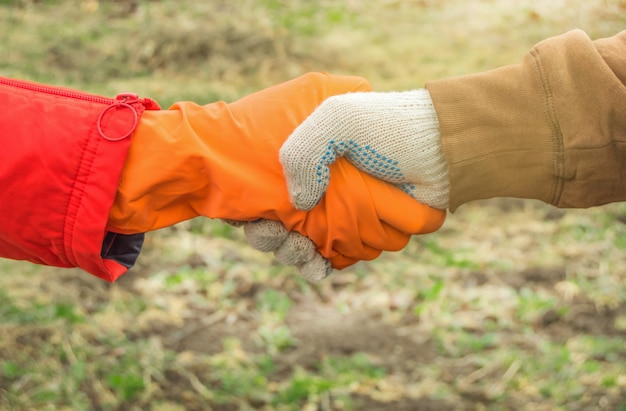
<point x="122" y="249"/>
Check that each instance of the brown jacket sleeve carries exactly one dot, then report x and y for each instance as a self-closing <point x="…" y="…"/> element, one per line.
<point x="552" y="128"/>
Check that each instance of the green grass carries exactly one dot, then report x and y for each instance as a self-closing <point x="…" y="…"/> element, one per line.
<point x="508" y="306"/>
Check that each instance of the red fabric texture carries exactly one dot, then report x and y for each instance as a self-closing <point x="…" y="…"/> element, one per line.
<point x="59" y="170"/>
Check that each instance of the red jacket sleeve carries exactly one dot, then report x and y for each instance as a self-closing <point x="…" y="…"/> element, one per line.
<point x="60" y="162"/>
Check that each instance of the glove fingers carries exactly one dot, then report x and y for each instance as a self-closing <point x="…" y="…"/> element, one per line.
<point x="296" y="250"/>
<point x="289" y="248"/>
<point x="265" y="235"/>
<point x="316" y="269"/>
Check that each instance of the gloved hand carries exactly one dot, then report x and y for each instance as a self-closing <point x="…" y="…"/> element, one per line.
<point x="289" y="248"/>
<point x="221" y="161"/>
<point x="393" y="136"/>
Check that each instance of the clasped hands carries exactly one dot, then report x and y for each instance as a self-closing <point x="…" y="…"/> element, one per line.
<point x="230" y="161"/>
<point x="392" y="136"/>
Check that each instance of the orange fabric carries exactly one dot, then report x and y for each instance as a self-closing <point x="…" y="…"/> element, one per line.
<point x="221" y="161"/>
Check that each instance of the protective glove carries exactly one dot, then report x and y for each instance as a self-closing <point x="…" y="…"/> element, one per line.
<point x="221" y="161"/>
<point x="289" y="248"/>
<point x="393" y="136"/>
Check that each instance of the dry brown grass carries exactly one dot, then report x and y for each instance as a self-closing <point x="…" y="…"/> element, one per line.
<point x="511" y="305"/>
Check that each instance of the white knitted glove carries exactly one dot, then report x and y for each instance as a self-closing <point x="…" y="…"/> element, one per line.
<point x="393" y="136"/>
<point x="290" y="248"/>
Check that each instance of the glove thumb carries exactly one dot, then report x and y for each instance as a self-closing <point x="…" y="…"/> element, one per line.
<point x="306" y="156"/>
<point x="307" y="180"/>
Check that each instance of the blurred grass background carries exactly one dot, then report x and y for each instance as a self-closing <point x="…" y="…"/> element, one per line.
<point x="511" y="305"/>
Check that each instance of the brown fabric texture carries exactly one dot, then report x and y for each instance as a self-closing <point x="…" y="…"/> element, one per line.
<point x="551" y="128"/>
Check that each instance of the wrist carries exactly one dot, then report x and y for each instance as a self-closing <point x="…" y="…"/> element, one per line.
<point x="432" y="187"/>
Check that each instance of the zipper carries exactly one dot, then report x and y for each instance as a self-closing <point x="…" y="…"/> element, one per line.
<point x="58" y="91"/>
<point x="121" y="101"/>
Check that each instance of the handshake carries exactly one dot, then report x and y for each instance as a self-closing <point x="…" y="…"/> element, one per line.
<point x="319" y="170"/>
<point x="391" y="136"/>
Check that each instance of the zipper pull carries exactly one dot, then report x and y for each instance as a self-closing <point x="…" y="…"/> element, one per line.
<point x="132" y="98"/>
<point x="122" y="101"/>
<point x="128" y="98"/>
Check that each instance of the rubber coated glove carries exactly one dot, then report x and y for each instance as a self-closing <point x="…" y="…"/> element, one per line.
<point x="221" y="161"/>
<point x="393" y="136"/>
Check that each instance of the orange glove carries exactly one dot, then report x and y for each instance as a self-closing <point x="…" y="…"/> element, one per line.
<point x="221" y="161"/>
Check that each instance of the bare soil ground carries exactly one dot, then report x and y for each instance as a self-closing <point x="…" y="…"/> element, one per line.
<point x="512" y="305"/>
